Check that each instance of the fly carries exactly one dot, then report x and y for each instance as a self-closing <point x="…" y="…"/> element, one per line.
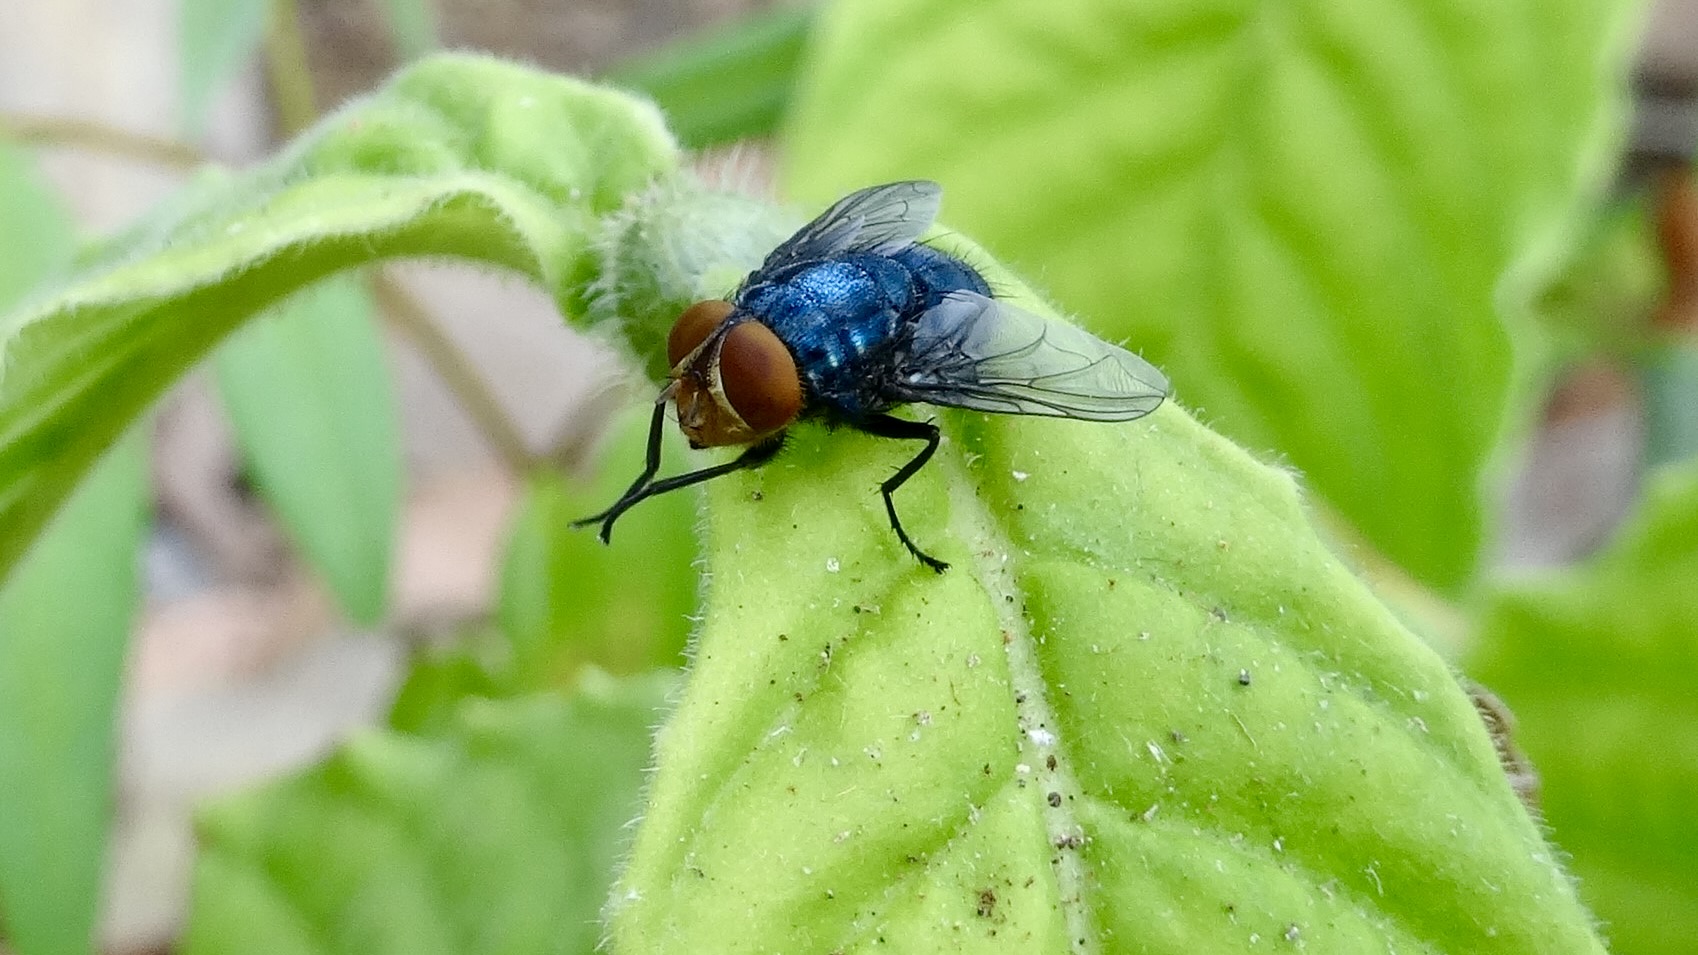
<point x="850" y="318"/>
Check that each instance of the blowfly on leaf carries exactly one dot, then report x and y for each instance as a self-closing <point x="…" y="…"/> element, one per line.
<point x="851" y="317"/>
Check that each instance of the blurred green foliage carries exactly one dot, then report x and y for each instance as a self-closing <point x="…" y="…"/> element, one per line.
<point x="1303" y="214"/>
<point x="496" y="832"/>
<point x="1596" y="663"/>
<point x="308" y="395"/>
<point x="566" y="600"/>
<point x="65" y="618"/>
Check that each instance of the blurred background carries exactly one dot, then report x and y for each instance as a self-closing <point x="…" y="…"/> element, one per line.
<point x="245" y="667"/>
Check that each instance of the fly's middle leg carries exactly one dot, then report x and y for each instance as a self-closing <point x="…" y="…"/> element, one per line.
<point x="887" y="426"/>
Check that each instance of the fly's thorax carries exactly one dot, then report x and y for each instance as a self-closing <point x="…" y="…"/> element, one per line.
<point x="735" y="382"/>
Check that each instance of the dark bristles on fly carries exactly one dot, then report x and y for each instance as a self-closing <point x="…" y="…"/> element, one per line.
<point x="852" y="317"/>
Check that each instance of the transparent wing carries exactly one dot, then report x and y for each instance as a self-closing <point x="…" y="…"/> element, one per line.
<point x="879" y="219"/>
<point x="975" y="352"/>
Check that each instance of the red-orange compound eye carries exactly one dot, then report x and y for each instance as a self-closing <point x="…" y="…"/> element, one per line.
<point x="692" y="328"/>
<point x="759" y="377"/>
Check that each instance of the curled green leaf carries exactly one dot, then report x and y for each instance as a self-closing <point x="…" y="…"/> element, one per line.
<point x="459" y="155"/>
<point x="1146" y="711"/>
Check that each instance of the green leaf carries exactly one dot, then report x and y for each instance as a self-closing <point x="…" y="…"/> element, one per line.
<point x="1303" y="212"/>
<point x="732" y="83"/>
<point x="308" y="392"/>
<point x="497" y="835"/>
<point x="441" y="678"/>
<point x="64" y="627"/>
<point x="567" y="600"/>
<point x="459" y="155"/>
<point x="216" y="38"/>
<point x="1594" y="661"/>
<point x="35" y="229"/>
<point x="1147" y="710"/>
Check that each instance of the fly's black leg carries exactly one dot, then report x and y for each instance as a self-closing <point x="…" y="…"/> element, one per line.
<point x="632" y="493"/>
<point x="885" y="426"/>
<point x="755" y="456"/>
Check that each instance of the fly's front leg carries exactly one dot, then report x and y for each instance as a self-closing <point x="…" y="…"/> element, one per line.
<point x="633" y="493"/>
<point x="753" y="457"/>
<point x="886" y="426"/>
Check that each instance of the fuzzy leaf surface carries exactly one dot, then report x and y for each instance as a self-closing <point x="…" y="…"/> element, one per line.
<point x="1145" y="711"/>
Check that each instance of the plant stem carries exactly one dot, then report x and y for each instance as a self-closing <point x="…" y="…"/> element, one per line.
<point x="288" y="70"/>
<point x="405" y="313"/>
<point x="63" y="132"/>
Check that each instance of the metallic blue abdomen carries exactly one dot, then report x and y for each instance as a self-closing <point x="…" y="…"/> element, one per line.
<point x="843" y="317"/>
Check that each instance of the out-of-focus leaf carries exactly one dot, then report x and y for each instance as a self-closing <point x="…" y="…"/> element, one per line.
<point x="1603" y="299"/>
<point x="216" y="37"/>
<point x="498" y="835"/>
<point x="64" y="627"/>
<point x="732" y="83"/>
<point x="1595" y="662"/>
<point x="567" y="600"/>
<point x="1304" y="212"/>
<point x="309" y="394"/>
<point x="440" y="679"/>
<point x="35" y="230"/>
<point x="1669" y="379"/>
<point x="458" y="155"/>
<point x="1146" y="710"/>
<point x="412" y="24"/>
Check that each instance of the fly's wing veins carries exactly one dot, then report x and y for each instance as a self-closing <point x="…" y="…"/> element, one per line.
<point x="881" y="219"/>
<point x="974" y="352"/>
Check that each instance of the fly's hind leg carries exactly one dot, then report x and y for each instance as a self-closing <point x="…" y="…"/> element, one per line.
<point x="886" y="426"/>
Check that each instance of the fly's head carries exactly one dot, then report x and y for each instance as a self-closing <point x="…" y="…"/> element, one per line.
<point x="734" y="382"/>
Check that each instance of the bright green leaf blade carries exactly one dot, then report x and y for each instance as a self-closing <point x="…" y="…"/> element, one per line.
<point x="732" y="83"/>
<point x="567" y="600"/>
<point x="309" y="394"/>
<point x="216" y="38"/>
<point x="1147" y="710"/>
<point x="498" y="835"/>
<point x="1594" y="662"/>
<point x="35" y="230"/>
<point x="1301" y="211"/>
<point x="459" y="155"/>
<point x="64" y="627"/>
